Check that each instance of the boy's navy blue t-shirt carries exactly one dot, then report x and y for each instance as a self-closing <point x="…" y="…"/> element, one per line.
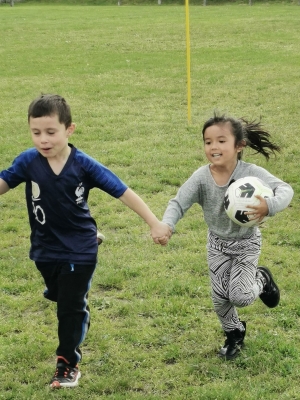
<point x="62" y="228"/>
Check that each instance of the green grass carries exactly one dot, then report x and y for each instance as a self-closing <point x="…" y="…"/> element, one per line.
<point x="155" y="2"/>
<point x="154" y="334"/>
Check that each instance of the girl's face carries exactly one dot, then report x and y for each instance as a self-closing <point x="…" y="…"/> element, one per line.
<point x="219" y="145"/>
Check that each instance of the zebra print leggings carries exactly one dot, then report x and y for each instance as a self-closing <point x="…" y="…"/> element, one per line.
<point x="233" y="274"/>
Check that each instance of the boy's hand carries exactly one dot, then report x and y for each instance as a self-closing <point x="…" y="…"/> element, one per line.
<point x="161" y="233"/>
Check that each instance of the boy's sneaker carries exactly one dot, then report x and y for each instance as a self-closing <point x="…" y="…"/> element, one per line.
<point x="271" y="293"/>
<point x="65" y="376"/>
<point x="233" y="343"/>
<point x="100" y="238"/>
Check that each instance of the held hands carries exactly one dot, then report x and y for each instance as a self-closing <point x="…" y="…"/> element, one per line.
<point x="161" y="233"/>
<point x="259" y="211"/>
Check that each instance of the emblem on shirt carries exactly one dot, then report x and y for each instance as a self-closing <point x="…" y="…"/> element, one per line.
<point x="79" y="193"/>
<point x="35" y="190"/>
<point x="36" y="208"/>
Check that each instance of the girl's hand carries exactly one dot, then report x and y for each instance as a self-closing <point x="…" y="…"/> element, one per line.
<point x="161" y="233"/>
<point x="163" y="240"/>
<point x="259" y="211"/>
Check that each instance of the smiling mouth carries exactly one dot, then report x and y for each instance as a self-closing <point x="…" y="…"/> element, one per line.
<point x="216" y="155"/>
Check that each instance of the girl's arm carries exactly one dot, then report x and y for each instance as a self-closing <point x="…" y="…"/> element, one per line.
<point x="159" y="230"/>
<point x="3" y="186"/>
<point x="187" y="195"/>
<point x="283" y="191"/>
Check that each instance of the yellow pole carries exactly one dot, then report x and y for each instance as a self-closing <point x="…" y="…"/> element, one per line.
<point x="188" y="58"/>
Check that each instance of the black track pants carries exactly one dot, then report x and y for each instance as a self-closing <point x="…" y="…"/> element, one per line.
<point x="68" y="285"/>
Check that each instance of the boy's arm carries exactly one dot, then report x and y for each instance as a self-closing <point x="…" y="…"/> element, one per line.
<point x="3" y="186"/>
<point x="158" y="229"/>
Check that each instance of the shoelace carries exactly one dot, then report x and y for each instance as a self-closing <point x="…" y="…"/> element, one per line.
<point x="62" y="371"/>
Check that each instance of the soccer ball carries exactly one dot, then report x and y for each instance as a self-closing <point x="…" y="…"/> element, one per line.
<point x="240" y="194"/>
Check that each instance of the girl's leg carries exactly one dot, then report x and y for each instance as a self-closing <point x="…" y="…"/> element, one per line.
<point x="234" y="278"/>
<point x="219" y="270"/>
<point x="246" y="283"/>
<point x="220" y="266"/>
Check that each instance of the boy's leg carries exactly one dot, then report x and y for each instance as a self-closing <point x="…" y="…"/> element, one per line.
<point x="68" y="285"/>
<point x="49" y="272"/>
<point x="73" y="314"/>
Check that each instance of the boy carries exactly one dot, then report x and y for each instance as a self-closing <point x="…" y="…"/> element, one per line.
<point x="64" y="241"/>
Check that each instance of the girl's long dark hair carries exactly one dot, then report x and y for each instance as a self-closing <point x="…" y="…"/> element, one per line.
<point x="251" y="132"/>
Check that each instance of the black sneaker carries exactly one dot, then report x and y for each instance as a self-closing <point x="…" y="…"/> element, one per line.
<point x="100" y="237"/>
<point x="271" y="294"/>
<point x="233" y="343"/>
<point x="65" y="376"/>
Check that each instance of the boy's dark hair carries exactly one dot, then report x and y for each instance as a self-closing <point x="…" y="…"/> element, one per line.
<point x="51" y="104"/>
<point x="249" y="132"/>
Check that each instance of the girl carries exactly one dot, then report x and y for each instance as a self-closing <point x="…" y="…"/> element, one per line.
<point x="232" y="250"/>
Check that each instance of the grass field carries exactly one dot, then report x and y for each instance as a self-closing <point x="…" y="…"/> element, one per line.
<point x="154" y="334"/>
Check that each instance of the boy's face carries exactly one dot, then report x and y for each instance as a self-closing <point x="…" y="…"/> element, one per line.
<point x="50" y="137"/>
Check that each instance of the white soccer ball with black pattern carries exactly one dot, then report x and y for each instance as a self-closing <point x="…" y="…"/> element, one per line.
<point x="241" y="194"/>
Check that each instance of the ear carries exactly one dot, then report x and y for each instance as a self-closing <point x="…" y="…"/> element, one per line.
<point x="71" y="129"/>
<point x="241" y="145"/>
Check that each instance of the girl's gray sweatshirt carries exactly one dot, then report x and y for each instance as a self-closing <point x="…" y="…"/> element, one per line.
<point x="202" y="189"/>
